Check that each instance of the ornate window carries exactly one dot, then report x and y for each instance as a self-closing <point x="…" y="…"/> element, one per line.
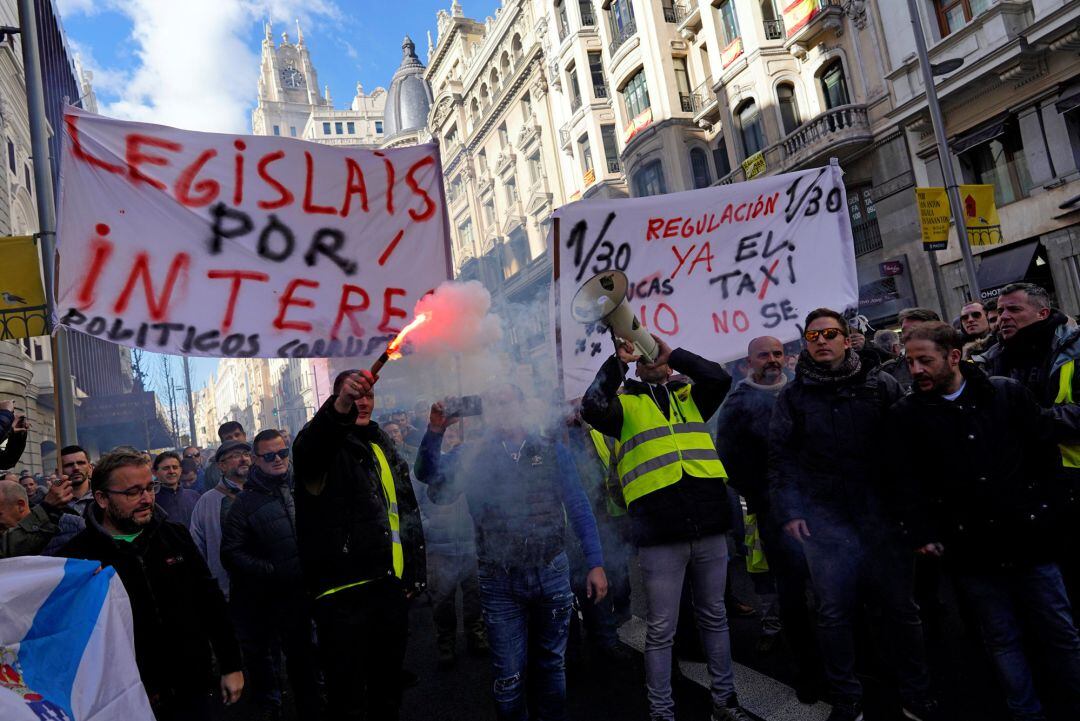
<point x="649" y="180"/>
<point x="636" y="95"/>
<point x="699" y="165"/>
<point x="834" y="86"/>
<point x="753" y="134"/>
<point x="789" y="107"/>
<point x="955" y="14"/>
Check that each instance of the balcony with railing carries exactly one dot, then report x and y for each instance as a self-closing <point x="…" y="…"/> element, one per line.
<point x="620" y="36"/>
<point x="674" y="13"/>
<point x="704" y="100"/>
<point x="614" y="166"/>
<point x="834" y="132"/>
<point x="688" y="16"/>
<point x="774" y="29"/>
<point x="588" y="17"/>
<point x="819" y="15"/>
<point x="686" y="102"/>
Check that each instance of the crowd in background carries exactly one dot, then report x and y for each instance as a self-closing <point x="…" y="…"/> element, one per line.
<point x="857" y="478"/>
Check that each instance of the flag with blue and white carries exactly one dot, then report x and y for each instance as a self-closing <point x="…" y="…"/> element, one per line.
<point x="66" y="643"/>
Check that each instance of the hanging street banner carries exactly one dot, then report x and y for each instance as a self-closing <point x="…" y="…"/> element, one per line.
<point x="980" y="214"/>
<point x="709" y="269"/>
<point x="22" y="296"/>
<point x="933" y="217"/>
<point x="243" y="246"/>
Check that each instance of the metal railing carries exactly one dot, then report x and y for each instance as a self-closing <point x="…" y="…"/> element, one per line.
<point x="774" y="29"/>
<point x="23" y="322"/>
<point x="845" y="117"/>
<point x="703" y="96"/>
<point x="686" y="102"/>
<point x="628" y="31"/>
<point x="600" y="91"/>
<point x="867" y="237"/>
<point x="588" y="18"/>
<point x="614" y="166"/>
<point x="675" y="13"/>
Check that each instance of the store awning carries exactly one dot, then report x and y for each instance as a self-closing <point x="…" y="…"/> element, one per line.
<point x="1006" y="266"/>
<point x="983" y="134"/>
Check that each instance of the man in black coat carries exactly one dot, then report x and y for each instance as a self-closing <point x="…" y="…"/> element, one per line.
<point x="829" y="430"/>
<point x="975" y="493"/>
<point x="178" y="611"/>
<point x="13" y="429"/>
<point x="361" y="549"/>
<point x="267" y="598"/>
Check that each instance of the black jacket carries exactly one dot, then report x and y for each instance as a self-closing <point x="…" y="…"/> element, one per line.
<point x="694" y="507"/>
<point x="178" y="611"/>
<point x="742" y="440"/>
<point x="344" y="530"/>
<point x="16" y="441"/>
<point x="258" y="541"/>
<point x="827" y="443"/>
<point x="976" y="474"/>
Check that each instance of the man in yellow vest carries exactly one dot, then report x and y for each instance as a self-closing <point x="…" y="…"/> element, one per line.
<point x="674" y="486"/>
<point x="1039" y="347"/>
<point x="361" y="549"/>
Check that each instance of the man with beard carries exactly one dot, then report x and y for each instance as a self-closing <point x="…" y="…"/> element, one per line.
<point x="985" y="510"/>
<point x="177" y="502"/>
<point x="361" y="548"/>
<point x="267" y="601"/>
<point x="828" y="431"/>
<point x="742" y="440"/>
<point x="233" y="461"/>
<point x="75" y="464"/>
<point x="1039" y="347"/>
<point x="178" y="612"/>
<point x="909" y="318"/>
<point x="674" y="486"/>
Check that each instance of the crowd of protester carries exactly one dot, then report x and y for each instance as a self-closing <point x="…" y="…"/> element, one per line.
<point x="856" y="480"/>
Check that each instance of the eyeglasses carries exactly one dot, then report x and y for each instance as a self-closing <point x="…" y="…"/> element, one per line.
<point x="269" y="457"/>
<point x="133" y="493"/>
<point x="828" y="333"/>
<point x="974" y="315"/>
<point x="193" y="455"/>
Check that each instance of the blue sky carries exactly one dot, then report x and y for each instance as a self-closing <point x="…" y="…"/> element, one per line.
<point x="194" y="63"/>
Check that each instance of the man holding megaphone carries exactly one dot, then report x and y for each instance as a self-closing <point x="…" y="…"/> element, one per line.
<point x="674" y="486"/>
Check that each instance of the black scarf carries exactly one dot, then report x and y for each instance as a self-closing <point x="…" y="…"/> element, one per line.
<point x="811" y="369"/>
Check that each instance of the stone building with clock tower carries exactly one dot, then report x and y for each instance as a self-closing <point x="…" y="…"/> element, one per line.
<point x="290" y="103"/>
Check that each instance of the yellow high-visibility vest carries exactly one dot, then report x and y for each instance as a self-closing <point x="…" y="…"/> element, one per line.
<point x="386" y="477"/>
<point x="654" y="452"/>
<point x="604" y="446"/>
<point x="1070" y="454"/>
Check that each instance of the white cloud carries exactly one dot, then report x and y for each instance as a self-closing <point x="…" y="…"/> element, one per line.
<point x="69" y="8"/>
<point x="196" y="65"/>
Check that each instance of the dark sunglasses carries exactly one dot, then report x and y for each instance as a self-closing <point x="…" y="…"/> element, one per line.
<point x="974" y="315"/>
<point x="828" y="333"/>
<point x="269" y="457"/>
<point x="193" y="455"/>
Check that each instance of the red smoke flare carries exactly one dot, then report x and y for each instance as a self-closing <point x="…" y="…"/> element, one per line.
<point x="393" y="351"/>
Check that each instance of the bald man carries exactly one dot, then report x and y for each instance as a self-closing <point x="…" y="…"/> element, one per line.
<point x="742" y="441"/>
<point x="37" y="531"/>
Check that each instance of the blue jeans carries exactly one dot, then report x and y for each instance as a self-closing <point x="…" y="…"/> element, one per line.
<point x="527" y="615"/>
<point x="839" y="558"/>
<point x="663" y="569"/>
<point x="1037" y="595"/>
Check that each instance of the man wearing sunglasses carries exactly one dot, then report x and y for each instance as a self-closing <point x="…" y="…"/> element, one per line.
<point x="827" y="434"/>
<point x="178" y="611"/>
<point x="267" y="600"/>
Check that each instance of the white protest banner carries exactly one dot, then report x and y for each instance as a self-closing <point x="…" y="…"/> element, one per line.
<point x="709" y="269"/>
<point x="228" y="245"/>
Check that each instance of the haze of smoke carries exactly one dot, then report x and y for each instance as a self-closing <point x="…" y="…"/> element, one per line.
<point x="460" y="320"/>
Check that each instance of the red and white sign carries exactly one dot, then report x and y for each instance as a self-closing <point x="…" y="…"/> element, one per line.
<point x="251" y="246"/>
<point x="709" y="269"/>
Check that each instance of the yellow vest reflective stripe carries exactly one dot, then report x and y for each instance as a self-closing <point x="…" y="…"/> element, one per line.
<point x="654" y="452"/>
<point x="386" y="477"/>
<point x="1070" y="454"/>
<point x="604" y="448"/>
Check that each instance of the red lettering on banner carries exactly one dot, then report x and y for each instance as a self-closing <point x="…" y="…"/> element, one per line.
<point x="673" y="324"/>
<point x="390" y="248"/>
<point x="207" y="188"/>
<point x="284" y="195"/>
<point x="671" y="229"/>
<point x="346" y="310"/>
<point x="79" y="152"/>
<point x="410" y="180"/>
<point x="390" y="180"/>
<point x="655" y="224"/>
<point x="354" y="185"/>
<point x="390" y="311"/>
<point x="287" y="300"/>
<point x="158" y="307"/>
<point x="704" y="256"/>
<point x="101" y="250"/>
<point x="237" y="277"/>
<point x="238" y="173"/>
<point x="309" y="181"/>
<point x="722" y="323"/>
<point x="135" y="157"/>
<point x="681" y="258"/>
<point x="765" y="283"/>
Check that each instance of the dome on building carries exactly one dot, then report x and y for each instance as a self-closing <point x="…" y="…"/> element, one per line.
<point x="409" y="99"/>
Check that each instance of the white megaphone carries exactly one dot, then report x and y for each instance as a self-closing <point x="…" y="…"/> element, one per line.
<point x="603" y="298"/>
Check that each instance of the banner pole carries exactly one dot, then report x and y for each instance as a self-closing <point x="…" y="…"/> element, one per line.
<point x="555" y="250"/>
<point x="63" y="388"/>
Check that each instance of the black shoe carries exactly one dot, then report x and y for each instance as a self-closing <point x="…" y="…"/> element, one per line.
<point x="738" y="608"/>
<point x="846" y="712"/>
<point x="929" y="710"/>
<point x="730" y="713"/>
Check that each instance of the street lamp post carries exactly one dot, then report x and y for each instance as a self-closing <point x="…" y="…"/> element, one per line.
<point x="944" y="157"/>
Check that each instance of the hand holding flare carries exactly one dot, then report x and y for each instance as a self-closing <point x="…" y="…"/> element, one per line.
<point x="393" y="349"/>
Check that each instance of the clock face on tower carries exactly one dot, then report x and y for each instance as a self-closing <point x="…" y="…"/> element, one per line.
<point x="292" y="78"/>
